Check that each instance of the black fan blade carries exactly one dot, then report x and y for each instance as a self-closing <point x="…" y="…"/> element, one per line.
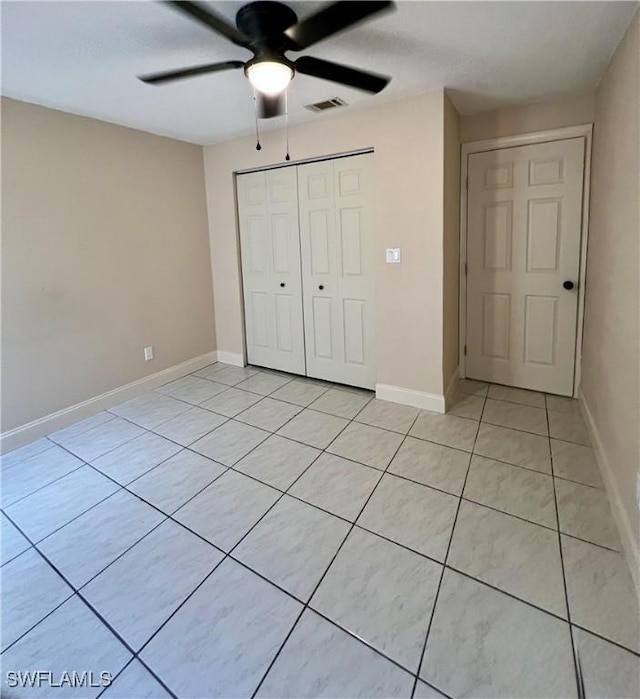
<point x="169" y="75"/>
<point x="206" y="16"/>
<point x="331" y="20"/>
<point x="270" y="105"/>
<point x="371" y="82"/>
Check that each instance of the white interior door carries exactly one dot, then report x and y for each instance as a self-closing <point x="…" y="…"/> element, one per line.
<point x="523" y="244"/>
<point x="336" y="233"/>
<point x="272" y="287"/>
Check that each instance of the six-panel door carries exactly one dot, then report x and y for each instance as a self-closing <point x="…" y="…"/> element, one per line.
<point x="270" y="253"/>
<point x="336" y="234"/>
<point x="523" y="244"/>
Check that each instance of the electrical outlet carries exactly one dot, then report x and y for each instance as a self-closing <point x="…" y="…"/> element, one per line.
<point x="148" y="353"/>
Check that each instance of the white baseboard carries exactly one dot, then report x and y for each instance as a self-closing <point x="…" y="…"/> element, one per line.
<point x="628" y="539"/>
<point x="231" y="358"/>
<point x="407" y="396"/>
<point x="19" y="436"/>
<point x="451" y="388"/>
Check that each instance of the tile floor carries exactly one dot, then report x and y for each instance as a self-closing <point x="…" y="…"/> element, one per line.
<point x="241" y="533"/>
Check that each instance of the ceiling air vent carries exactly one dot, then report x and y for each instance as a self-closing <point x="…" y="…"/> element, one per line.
<point x="325" y="104"/>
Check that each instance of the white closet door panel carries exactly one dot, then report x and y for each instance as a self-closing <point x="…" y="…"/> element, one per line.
<point x="524" y="226"/>
<point x="270" y="247"/>
<point x="322" y="320"/>
<point x="336" y="232"/>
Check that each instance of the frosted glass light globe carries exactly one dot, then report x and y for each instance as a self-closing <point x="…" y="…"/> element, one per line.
<point x="269" y="77"/>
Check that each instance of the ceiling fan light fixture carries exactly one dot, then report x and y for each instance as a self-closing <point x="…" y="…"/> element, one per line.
<point x="269" y="77"/>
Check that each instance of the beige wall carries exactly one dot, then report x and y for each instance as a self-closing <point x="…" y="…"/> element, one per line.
<point x="554" y="114"/>
<point x="407" y="136"/>
<point x="451" y="281"/>
<point x="104" y="250"/>
<point x="610" y="356"/>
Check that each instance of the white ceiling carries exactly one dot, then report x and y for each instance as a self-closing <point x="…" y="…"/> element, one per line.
<point x="83" y="57"/>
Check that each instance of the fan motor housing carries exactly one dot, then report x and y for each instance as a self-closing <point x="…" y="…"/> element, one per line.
<point x="264" y="19"/>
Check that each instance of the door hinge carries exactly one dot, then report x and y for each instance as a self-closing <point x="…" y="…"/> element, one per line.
<point x="466" y="182"/>
<point x="466" y="269"/>
<point x="465" y="350"/>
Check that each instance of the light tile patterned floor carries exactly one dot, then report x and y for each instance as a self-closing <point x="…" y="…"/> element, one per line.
<point x="241" y="533"/>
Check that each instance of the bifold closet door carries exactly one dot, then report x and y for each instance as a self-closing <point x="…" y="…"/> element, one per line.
<point x="270" y="253"/>
<point x="336" y="240"/>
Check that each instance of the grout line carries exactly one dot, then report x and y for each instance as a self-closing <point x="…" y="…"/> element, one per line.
<point x="182" y="447"/>
<point x="119" y="485"/>
<point x="514" y="404"/>
<point x="636" y="653"/>
<point x="515" y="429"/>
<point x="579" y="675"/>
<point x="117" y="675"/>
<point x="502" y="591"/>
<point x="54" y="436"/>
<point x="533" y="470"/>
<point x="13" y="558"/>
<point x="188" y="447"/>
<point x="479" y="580"/>
<point x="444" y="566"/>
<point x="75" y="592"/>
<point x="6" y="455"/>
<point x="353" y="635"/>
<point x="148" y="430"/>
<point x="121" y="488"/>
<point x="227" y="418"/>
<point x="99" y="502"/>
<point x="510" y="514"/>
<point x="46" y="485"/>
<point x="350" y="522"/>
<point x="170" y="516"/>
<point x="155" y="428"/>
<point x="191" y="405"/>
<point x="72" y="593"/>
<point x="585" y="485"/>
<point x="289" y="594"/>
<point x="125" y="487"/>
<point x="284" y="400"/>
<point x="333" y="558"/>
<point x="293" y="441"/>
<point x="574" y="649"/>
<point x="227" y="554"/>
<point x="537" y="434"/>
<point x="353" y="525"/>
<point x="373" y="648"/>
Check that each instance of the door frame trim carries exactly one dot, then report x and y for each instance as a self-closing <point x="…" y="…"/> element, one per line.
<point x="304" y="161"/>
<point x="243" y="358"/>
<point x="583" y="130"/>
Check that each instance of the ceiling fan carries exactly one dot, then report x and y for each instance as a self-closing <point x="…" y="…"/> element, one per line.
<point x="270" y="29"/>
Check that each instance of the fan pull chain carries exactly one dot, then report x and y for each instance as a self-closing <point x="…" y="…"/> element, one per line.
<point x="255" y="111"/>
<point x="286" y="117"/>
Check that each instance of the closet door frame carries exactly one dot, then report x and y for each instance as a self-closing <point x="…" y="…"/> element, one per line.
<point x="242" y="360"/>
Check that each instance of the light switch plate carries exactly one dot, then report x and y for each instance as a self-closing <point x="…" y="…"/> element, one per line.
<point x="393" y="255"/>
